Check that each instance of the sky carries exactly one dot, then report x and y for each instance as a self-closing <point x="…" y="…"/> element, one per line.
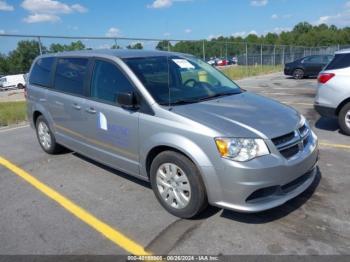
<point x="169" y="19"/>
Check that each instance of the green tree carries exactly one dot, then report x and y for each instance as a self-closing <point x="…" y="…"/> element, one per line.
<point x="115" y="46"/>
<point x="4" y="65"/>
<point x="135" y="46"/>
<point x="164" y="45"/>
<point x="73" y="46"/>
<point x="20" y="59"/>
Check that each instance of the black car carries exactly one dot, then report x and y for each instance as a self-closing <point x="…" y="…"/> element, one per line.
<point x="307" y="66"/>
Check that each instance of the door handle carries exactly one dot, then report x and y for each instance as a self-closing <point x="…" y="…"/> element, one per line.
<point x="76" y="106"/>
<point x="42" y="99"/>
<point x="91" y="110"/>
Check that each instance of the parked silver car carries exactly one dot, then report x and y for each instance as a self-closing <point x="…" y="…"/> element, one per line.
<point x="175" y="121"/>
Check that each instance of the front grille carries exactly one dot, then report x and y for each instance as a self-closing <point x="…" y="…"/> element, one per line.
<point x="290" y="144"/>
<point x="303" y="130"/>
<point x="263" y="192"/>
<point x="283" y="139"/>
<point x="290" y="151"/>
<point x="295" y="183"/>
<point x="280" y="190"/>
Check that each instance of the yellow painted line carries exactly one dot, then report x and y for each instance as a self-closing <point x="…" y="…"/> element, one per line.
<point x="111" y="233"/>
<point x="334" y="145"/>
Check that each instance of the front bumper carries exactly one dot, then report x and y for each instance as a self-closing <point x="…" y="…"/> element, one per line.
<point x="263" y="183"/>
<point x="288" y="71"/>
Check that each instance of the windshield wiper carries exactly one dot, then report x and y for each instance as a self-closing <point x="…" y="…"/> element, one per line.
<point x="184" y="101"/>
<point x="217" y="95"/>
<point x="196" y="100"/>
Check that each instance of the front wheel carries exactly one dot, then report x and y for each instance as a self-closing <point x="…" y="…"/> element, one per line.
<point x="177" y="184"/>
<point x="298" y="73"/>
<point x="344" y="119"/>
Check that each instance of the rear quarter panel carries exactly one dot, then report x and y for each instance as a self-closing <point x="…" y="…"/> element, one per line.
<point x="336" y="90"/>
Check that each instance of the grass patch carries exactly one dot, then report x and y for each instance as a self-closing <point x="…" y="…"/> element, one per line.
<point x="12" y="112"/>
<point x="239" y="72"/>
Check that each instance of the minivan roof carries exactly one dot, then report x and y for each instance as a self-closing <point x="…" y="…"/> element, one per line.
<point x="343" y="51"/>
<point x="121" y="53"/>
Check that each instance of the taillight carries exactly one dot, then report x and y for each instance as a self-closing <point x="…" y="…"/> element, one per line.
<point x="325" y="77"/>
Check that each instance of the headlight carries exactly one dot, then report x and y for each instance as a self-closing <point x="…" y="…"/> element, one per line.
<point x="241" y="149"/>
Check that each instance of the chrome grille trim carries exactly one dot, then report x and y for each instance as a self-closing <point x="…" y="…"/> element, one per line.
<point x="299" y="138"/>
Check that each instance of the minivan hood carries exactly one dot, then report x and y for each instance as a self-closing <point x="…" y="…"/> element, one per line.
<point x="243" y="115"/>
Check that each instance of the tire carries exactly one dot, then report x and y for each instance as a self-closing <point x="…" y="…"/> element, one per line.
<point x="20" y="86"/>
<point x="344" y="119"/>
<point x="298" y="73"/>
<point x="188" y="198"/>
<point x="45" y="137"/>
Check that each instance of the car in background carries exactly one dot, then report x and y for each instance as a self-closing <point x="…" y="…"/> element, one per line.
<point x="12" y="81"/>
<point x="333" y="92"/>
<point x="212" y="61"/>
<point x="307" y="66"/>
<point x="222" y="62"/>
<point x="234" y="60"/>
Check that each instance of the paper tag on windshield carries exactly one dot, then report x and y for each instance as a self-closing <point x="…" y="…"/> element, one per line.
<point x="183" y="63"/>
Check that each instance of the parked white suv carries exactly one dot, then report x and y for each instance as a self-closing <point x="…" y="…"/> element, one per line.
<point x="333" y="93"/>
<point x="12" y="81"/>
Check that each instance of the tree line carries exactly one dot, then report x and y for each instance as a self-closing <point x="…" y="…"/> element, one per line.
<point x="303" y="34"/>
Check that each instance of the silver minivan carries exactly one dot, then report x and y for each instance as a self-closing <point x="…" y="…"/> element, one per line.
<point x="173" y="120"/>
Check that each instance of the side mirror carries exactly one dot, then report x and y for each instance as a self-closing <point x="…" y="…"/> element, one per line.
<point x="127" y="100"/>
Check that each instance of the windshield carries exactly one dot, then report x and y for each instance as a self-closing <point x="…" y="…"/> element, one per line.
<point x="177" y="80"/>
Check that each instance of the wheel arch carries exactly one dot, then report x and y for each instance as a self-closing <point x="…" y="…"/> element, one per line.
<point x="154" y="152"/>
<point x="340" y="106"/>
<point x="163" y="142"/>
<point x="35" y="116"/>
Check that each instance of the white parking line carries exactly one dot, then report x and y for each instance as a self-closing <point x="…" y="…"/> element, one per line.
<point x="5" y="129"/>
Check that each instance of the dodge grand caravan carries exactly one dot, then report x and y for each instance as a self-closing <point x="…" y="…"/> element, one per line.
<point x="173" y="120"/>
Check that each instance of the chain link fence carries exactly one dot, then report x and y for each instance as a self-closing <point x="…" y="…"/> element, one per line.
<point x="239" y="54"/>
<point x="246" y="59"/>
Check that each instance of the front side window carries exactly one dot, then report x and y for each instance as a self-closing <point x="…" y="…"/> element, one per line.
<point x="108" y="81"/>
<point x="41" y="72"/>
<point x="70" y="75"/>
<point x="177" y="80"/>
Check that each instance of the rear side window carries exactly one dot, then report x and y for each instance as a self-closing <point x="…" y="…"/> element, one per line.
<point x="70" y="75"/>
<point x="41" y="72"/>
<point x="339" y="61"/>
<point x="314" y="59"/>
<point x="108" y="81"/>
<point x="327" y="58"/>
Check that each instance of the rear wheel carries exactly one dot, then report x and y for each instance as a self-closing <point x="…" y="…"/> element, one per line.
<point x="45" y="136"/>
<point x="298" y="73"/>
<point x="20" y="86"/>
<point x="344" y="119"/>
<point x="177" y="184"/>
